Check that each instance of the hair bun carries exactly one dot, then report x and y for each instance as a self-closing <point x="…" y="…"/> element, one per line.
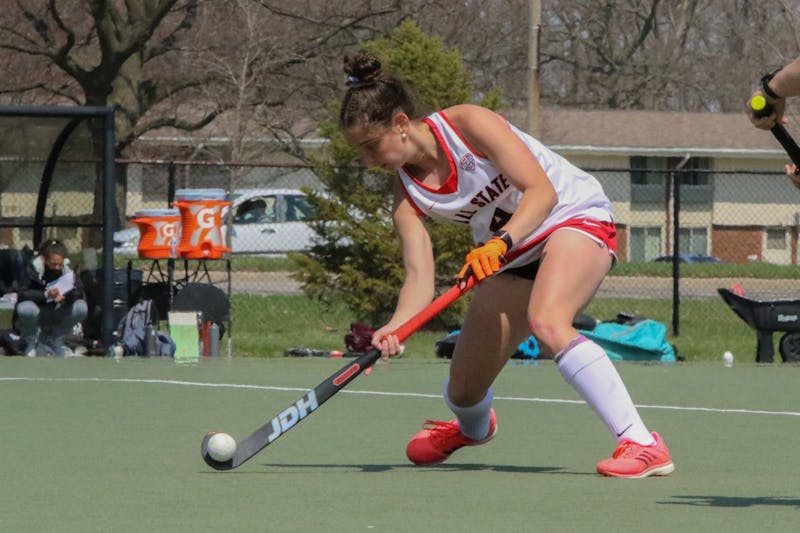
<point x="362" y="69"/>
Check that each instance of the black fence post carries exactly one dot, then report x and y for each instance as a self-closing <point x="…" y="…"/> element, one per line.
<point x="170" y="183"/>
<point x="109" y="215"/>
<point x="676" y="260"/>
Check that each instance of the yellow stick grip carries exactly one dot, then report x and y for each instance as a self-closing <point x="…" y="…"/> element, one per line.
<point x="758" y="103"/>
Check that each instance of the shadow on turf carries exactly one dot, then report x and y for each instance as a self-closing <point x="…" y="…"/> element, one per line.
<point x="734" y="501"/>
<point x="464" y="467"/>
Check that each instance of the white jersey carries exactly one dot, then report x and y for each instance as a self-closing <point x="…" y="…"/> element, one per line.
<point x="477" y="193"/>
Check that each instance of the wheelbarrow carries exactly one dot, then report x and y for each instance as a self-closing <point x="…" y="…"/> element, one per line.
<point x="767" y="317"/>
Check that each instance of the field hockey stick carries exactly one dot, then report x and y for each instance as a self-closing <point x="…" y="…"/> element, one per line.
<point x="761" y="108"/>
<point x="311" y="400"/>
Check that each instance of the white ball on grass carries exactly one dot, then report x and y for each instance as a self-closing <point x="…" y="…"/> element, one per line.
<point x="221" y="447"/>
<point x="727" y="358"/>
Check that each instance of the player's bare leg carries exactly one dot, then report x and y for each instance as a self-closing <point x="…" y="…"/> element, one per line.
<point x="495" y="324"/>
<point x="562" y="288"/>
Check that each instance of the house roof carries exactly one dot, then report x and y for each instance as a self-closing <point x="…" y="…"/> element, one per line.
<point x="600" y="132"/>
<point x="656" y="133"/>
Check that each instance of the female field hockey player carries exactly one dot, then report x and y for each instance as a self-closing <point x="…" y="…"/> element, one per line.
<point x="466" y="164"/>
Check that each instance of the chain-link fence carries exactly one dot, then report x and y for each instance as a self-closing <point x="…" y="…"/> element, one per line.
<point x="737" y="221"/>
<point x="729" y="227"/>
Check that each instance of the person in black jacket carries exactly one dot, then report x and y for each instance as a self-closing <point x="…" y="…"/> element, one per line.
<point x="45" y="315"/>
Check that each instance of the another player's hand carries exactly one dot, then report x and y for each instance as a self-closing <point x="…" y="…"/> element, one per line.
<point x="768" y="121"/>
<point x="794" y="175"/>
<point x="483" y="261"/>
<point x="388" y="344"/>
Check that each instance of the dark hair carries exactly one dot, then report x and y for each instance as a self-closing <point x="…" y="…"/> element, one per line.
<point x="373" y="97"/>
<point x="52" y="246"/>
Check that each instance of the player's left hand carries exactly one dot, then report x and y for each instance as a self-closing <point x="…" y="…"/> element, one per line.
<point x="387" y="343"/>
<point x="484" y="260"/>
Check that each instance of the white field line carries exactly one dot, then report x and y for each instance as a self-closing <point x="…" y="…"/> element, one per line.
<point x="382" y="393"/>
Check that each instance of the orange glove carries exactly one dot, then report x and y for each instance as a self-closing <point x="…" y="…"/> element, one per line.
<point x="484" y="260"/>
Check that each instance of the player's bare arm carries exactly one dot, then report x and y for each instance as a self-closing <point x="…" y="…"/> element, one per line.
<point x="490" y="135"/>
<point x="418" y="288"/>
<point x="786" y="81"/>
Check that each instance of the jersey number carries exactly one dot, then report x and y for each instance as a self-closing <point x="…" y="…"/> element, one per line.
<point x="499" y="219"/>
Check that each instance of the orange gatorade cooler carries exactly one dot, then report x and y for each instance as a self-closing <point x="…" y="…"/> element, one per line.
<point x="159" y="232"/>
<point x="201" y="223"/>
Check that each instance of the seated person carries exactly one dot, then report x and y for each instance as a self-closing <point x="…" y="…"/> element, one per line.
<point x="44" y="315"/>
<point x="255" y="211"/>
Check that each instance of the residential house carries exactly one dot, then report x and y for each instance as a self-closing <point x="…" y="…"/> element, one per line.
<point x="736" y="202"/>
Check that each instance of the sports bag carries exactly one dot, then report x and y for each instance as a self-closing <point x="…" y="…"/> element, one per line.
<point x="11" y="343"/>
<point x="131" y="333"/>
<point x="360" y="337"/>
<point x="643" y="340"/>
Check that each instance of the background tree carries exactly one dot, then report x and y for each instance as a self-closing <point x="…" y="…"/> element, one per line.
<point x="160" y="60"/>
<point x="683" y="55"/>
<point x="106" y="53"/>
<point x="169" y="63"/>
<point x="177" y="65"/>
<point x="359" y="260"/>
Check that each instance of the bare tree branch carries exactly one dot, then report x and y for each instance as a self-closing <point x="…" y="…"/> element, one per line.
<point x="177" y="123"/>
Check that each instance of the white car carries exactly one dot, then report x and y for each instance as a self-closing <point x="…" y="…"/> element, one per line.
<point x="265" y="221"/>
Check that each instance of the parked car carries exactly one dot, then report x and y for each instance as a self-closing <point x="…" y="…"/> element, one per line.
<point x="265" y="221"/>
<point x="689" y="258"/>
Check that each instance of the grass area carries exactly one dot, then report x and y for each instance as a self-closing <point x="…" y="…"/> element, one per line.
<point x="266" y="326"/>
<point x="710" y="270"/>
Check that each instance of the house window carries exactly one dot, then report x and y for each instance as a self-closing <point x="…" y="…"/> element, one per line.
<point x="695" y="172"/>
<point x="648" y="170"/>
<point x="776" y="239"/>
<point x="645" y="243"/>
<point x="693" y="241"/>
<point x="649" y="176"/>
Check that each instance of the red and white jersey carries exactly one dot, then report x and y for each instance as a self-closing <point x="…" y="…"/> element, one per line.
<point x="476" y="192"/>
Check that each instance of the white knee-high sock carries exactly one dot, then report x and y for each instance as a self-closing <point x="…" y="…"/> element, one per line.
<point x="586" y="367"/>
<point x="474" y="419"/>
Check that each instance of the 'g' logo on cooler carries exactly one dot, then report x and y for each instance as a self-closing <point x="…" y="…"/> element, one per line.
<point x="169" y="230"/>
<point x="201" y="231"/>
<point x="205" y="217"/>
<point x="165" y="231"/>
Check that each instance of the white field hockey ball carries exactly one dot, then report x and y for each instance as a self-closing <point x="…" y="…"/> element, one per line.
<point x="221" y="447"/>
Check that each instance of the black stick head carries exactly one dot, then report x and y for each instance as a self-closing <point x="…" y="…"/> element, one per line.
<point x="210" y="461"/>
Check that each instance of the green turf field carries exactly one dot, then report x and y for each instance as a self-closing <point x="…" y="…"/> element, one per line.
<point x="99" y="445"/>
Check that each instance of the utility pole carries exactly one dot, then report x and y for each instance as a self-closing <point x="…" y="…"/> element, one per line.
<point x="535" y="14"/>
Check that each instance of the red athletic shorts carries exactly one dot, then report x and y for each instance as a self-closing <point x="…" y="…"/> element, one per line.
<point x="603" y="233"/>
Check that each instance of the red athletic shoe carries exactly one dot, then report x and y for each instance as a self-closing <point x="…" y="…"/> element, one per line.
<point x="439" y="439"/>
<point x="632" y="460"/>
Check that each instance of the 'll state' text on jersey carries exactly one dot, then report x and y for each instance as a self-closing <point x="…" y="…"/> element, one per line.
<point x="484" y="197"/>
